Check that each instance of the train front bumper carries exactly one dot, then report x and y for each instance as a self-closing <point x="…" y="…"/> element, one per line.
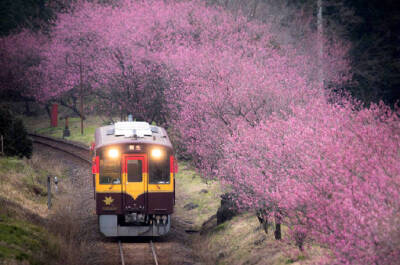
<point x="109" y="227"/>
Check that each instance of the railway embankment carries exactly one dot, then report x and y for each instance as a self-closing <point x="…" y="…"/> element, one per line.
<point x="25" y="235"/>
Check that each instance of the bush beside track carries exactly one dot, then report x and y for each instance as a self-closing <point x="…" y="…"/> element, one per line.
<point x="15" y="139"/>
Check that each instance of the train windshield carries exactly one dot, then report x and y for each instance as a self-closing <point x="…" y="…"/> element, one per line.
<point x="110" y="171"/>
<point x="159" y="171"/>
<point x="134" y="168"/>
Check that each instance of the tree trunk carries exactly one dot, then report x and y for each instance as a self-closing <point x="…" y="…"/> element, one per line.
<point x="28" y="111"/>
<point x="278" y="234"/>
<point x="263" y="219"/>
<point x="72" y="107"/>
<point x="254" y="9"/>
<point x="47" y="107"/>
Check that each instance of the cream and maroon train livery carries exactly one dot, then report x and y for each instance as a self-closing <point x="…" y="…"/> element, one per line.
<point x="133" y="176"/>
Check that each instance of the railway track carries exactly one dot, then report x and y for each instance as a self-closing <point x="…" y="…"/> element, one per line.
<point x="75" y="149"/>
<point x="82" y="152"/>
<point x="154" y="259"/>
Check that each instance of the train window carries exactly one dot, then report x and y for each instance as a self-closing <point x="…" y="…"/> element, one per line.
<point x="110" y="171"/>
<point x="134" y="168"/>
<point x="159" y="171"/>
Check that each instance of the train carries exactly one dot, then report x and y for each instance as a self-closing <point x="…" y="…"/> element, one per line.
<point x="133" y="172"/>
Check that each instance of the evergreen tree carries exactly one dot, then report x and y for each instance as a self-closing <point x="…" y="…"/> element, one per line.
<point x="15" y="137"/>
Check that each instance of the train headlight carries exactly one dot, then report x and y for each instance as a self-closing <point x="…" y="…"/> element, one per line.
<point x="156" y="153"/>
<point x="113" y="153"/>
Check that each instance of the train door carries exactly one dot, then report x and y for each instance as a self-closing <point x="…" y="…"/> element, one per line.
<point x="134" y="183"/>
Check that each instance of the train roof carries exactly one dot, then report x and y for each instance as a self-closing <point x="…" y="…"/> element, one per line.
<point x="131" y="132"/>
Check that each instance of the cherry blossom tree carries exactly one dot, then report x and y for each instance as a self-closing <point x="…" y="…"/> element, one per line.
<point x="333" y="177"/>
<point x="20" y="54"/>
<point x="249" y="111"/>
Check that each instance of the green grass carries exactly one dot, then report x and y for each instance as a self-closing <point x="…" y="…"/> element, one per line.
<point x="41" y="125"/>
<point x="188" y="190"/>
<point x="12" y="164"/>
<point x="293" y="260"/>
<point x="220" y="227"/>
<point x="28" y="177"/>
<point x="23" y="197"/>
<point x="24" y="241"/>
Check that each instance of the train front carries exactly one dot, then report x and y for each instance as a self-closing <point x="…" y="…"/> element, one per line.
<point x="133" y="177"/>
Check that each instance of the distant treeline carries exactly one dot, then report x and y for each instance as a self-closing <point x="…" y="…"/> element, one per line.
<point x="372" y="27"/>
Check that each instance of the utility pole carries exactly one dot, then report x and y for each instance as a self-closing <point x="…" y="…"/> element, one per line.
<point x="320" y="40"/>
<point x="81" y="93"/>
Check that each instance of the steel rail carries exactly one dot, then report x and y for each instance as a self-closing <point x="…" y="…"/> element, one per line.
<point x="55" y="144"/>
<point x="154" y="252"/>
<point x="121" y="252"/>
<point x="76" y="144"/>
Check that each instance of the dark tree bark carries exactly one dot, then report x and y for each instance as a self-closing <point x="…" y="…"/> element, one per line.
<point x="263" y="219"/>
<point x="47" y="107"/>
<point x="278" y="234"/>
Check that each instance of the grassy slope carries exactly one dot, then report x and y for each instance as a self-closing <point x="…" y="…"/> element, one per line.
<point x="23" y="236"/>
<point x="238" y="241"/>
<point x="24" y="241"/>
<point x="190" y="189"/>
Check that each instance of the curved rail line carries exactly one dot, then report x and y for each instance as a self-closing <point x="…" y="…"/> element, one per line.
<point x="153" y="251"/>
<point x="75" y="149"/>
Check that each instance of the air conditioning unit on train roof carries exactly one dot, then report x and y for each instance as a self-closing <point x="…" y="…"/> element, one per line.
<point x="132" y="128"/>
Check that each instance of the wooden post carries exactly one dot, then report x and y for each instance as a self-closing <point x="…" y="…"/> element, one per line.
<point x="48" y="192"/>
<point x="66" y="132"/>
<point x="2" y="144"/>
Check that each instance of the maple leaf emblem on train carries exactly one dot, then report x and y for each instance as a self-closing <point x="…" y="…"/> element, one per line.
<point x="108" y="200"/>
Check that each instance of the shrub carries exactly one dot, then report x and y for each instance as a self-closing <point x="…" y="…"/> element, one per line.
<point x="15" y="137"/>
